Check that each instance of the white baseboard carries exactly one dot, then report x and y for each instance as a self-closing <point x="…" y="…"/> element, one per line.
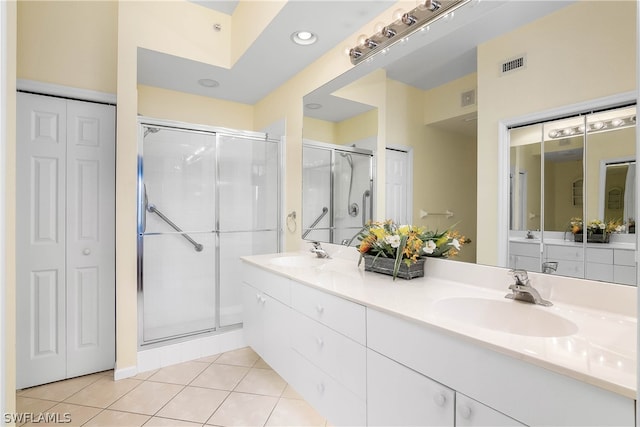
<point x="127" y="372"/>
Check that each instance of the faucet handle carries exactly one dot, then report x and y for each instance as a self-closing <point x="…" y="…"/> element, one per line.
<point x="521" y="276"/>
<point x="316" y="245"/>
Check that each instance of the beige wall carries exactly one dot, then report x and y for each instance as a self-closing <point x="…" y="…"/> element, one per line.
<point x="171" y="105"/>
<point x="70" y="43"/>
<point x="9" y="193"/>
<point x="582" y="52"/>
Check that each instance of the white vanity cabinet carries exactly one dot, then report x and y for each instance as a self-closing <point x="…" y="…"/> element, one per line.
<point x="360" y="365"/>
<point x="507" y="388"/>
<point x="314" y="340"/>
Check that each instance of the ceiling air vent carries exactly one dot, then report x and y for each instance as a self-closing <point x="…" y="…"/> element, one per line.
<point x="513" y="64"/>
<point x="468" y="98"/>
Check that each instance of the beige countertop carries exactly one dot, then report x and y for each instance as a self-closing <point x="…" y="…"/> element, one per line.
<point x="588" y="334"/>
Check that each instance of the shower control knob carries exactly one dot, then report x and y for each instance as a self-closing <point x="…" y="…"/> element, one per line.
<point x="86" y="251"/>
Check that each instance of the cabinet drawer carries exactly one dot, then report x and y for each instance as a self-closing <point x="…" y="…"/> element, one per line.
<point x="340" y="357"/>
<point x="525" y="263"/>
<point x="270" y="283"/>
<point x="472" y="413"/>
<point x="341" y="315"/>
<point x="337" y="404"/>
<point x="624" y="257"/>
<point x="525" y="249"/>
<point x="569" y="253"/>
<point x="600" y="255"/>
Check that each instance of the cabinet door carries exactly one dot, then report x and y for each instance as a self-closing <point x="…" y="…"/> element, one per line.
<point x="472" y="413"/>
<point x="252" y="323"/>
<point x="399" y="396"/>
<point x="266" y="328"/>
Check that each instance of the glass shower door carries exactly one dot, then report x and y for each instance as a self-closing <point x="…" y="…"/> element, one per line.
<point x="178" y="247"/>
<point x="248" y="201"/>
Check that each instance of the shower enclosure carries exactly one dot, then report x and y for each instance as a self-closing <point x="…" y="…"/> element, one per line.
<point x="337" y="192"/>
<point x="207" y="196"/>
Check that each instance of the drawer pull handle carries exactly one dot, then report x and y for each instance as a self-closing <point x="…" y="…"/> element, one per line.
<point x="465" y="412"/>
<point x="258" y="297"/>
<point x="319" y="309"/>
<point x="320" y="342"/>
<point x="320" y="388"/>
<point x="440" y="399"/>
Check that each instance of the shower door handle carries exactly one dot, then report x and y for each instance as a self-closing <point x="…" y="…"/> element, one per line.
<point x="145" y="207"/>
<point x="366" y="194"/>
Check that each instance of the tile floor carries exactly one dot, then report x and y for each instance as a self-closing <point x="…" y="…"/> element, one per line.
<point x="236" y="388"/>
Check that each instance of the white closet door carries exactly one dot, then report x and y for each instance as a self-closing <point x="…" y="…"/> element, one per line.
<point x="65" y="239"/>
<point x="397" y="192"/>
<point x="90" y="238"/>
<point x="40" y="228"/>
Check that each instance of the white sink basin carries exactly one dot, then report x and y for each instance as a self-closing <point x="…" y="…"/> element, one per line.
<point x="299" y="261"/>
<point x="509" y="316"/>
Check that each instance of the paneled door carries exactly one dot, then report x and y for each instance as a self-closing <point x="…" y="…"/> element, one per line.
<point x="65" y="239"/>
<point x="397" y="186"/>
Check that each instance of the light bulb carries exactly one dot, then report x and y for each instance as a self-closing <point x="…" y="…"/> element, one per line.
<point x="362" y="38"/>
<point x="377" y="29"/>
<point x="397" y="15"/>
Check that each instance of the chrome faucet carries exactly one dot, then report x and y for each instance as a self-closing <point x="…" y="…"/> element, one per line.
<point x="317" y="249"/>
<point x="523" y="291"/>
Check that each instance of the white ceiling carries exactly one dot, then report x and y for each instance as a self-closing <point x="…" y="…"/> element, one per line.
<point x="446" y="52"/>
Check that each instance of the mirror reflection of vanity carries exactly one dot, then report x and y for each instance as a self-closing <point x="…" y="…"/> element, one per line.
<point x="433" y="121"/>
<point x="563" y="178"/>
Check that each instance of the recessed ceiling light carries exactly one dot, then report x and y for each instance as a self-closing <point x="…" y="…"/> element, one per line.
<point x="304" y="38"/>
<point x="313" y="106"/>
<point x="208" y="83"/>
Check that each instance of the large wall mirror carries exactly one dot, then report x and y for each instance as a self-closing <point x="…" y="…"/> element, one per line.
<point x="573" y="196"/>
<point x="425" y="98"/>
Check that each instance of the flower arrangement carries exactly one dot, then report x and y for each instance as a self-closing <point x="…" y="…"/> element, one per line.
<point x="407" y="243"/>
<point x="596" y="226"/>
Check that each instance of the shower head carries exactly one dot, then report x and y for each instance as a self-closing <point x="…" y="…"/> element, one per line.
<point x="149" y="130"/>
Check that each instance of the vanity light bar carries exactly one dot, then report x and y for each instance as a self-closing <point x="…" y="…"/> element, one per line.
<point x="600" y="126"/>
<point x="418" y="18"/>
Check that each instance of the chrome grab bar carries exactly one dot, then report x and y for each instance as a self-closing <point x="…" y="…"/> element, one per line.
<point x="152" y="208"/>
<point x="308" y="230"/>
<point x="366" y="194"/>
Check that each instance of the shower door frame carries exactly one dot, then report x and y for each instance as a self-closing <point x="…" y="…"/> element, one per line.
<point x="140" y="220"/>
<point x="333" y="148"/>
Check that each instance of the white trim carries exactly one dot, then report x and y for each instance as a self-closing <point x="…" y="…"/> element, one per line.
<point x="3" y="144"/>
<point x="65" y="91"/>
<point x="503" y="153"/>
